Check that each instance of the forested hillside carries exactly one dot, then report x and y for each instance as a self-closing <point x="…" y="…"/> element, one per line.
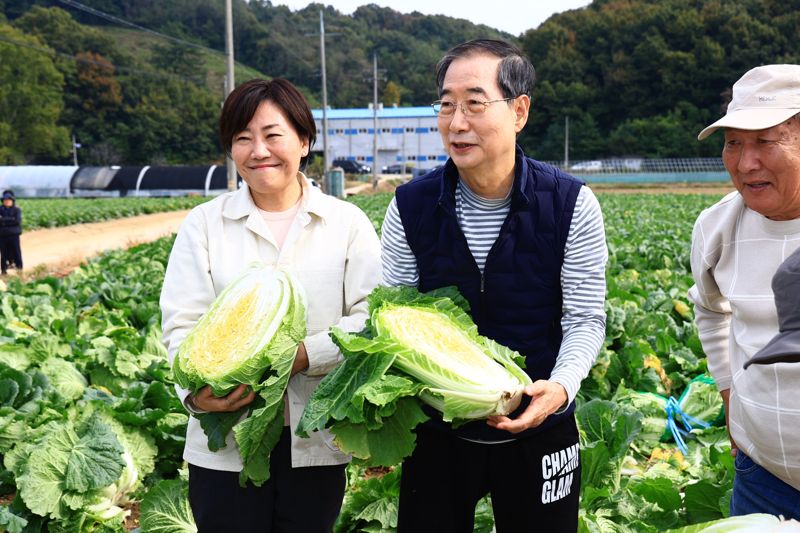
<point x="645" y="76"/>
<point x="633" y="76"/>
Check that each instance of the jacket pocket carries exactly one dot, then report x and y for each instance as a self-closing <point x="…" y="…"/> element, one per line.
<point x="324" y="295"/>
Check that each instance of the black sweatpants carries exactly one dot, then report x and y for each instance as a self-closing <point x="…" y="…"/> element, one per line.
<point x="293" y="500"/>
<point x="534" y="482"/>
<point x="10" y="252"/>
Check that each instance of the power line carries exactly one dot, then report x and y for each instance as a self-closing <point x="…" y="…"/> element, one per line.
<point x="288" y="50"/>
<point x="106" y="64"/>
<point x="112" y="18"/>
<point x="117" y="20"/>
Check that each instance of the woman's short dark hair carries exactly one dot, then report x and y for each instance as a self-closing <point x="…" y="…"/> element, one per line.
<point x="243" y="102"/>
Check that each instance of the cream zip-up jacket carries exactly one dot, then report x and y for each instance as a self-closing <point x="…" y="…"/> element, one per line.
<point x="735" y="253"/>
<point x="331" y="248"/>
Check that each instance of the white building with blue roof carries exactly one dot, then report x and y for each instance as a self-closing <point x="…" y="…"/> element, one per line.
<point x="405" y="135"/>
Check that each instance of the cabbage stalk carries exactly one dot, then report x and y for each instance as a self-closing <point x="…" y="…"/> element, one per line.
<point x="249" y="335"/>
<point x="415" y="348"/>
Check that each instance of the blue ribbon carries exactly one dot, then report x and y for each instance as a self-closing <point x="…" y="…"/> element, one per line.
<point x="689" y="422"/>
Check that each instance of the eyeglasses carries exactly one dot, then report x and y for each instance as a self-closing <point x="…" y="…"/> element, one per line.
<point x="446" y="108"/>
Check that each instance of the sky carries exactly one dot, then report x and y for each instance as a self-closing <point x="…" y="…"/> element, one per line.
<point x="512" y="16"/>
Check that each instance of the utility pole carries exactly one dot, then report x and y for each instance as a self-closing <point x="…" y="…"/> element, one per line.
<point x="323" y="71"/>
<point x="375" y="120"/>
<point x="74" y="151"/>
<point x="324" y="100"/>
<point x="566" y="142"/>
<point x="229" y="81"/>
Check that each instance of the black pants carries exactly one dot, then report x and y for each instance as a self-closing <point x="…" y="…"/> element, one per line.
<point x="293" y="500"/>
<point x="534" y="482"/>
<point x="10" y="252"/>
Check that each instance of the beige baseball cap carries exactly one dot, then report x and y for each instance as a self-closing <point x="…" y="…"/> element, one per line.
<point x="764" y="97"/>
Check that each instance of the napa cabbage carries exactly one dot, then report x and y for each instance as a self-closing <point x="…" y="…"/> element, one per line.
<point x="249" y="335"/>
<point x="415" y="348"/>
<point x="80" y="473"/>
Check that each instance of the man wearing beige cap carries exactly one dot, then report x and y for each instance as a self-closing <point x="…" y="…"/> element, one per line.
<point x="737" y="246"/>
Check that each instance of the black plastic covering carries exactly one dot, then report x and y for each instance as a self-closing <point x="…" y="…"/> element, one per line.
<point x="93" y="178"/>
<point x="155" y="178"/>
<point x="219" y="180"/>
<point x="183" y="178"/>
<point x="174" y="178"/>
<point x="125" y="179"/>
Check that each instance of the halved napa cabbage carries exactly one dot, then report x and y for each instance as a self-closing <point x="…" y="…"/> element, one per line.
<point x="461" y="369"/>
<point x="415" y="347"/>
<point x="249" y="335"/>
<point x="251" y="324"/>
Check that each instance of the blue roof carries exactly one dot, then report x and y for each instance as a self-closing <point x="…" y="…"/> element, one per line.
<point x="386" y="112"/>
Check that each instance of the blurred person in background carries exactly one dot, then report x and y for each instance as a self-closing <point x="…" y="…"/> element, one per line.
<point x="737" y="246"/>
<point x="331" y="247"/>
<point x="10" y="230"/>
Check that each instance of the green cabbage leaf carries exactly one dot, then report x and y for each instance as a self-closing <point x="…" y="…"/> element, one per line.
<point x="65" y="378"/>
<point x="71" y="467"/>
<point x="165" y="508"/>
<point x="415" y="348"/>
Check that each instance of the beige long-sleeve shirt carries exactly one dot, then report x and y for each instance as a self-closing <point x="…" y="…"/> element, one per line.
<point x="331" y="248"/>
<point x="735" y="253"/>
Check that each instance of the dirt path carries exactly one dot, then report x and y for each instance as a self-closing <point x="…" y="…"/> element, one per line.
<point x="59" y="250"/>
<point x="389" y="184"/>
<point x="664" y="188"/>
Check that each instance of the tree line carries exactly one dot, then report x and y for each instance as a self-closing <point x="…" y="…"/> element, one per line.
<point x="644" y="77"/>
<point x="635" y="77"/>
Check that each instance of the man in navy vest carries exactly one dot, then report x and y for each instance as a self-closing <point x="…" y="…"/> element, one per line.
<point x="525" y="245"/>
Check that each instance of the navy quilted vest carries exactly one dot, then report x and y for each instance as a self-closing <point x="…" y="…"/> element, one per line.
<point x="517" y="301"/>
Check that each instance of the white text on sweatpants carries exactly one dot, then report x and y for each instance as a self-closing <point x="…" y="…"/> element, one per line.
<point x="557" y="471"/>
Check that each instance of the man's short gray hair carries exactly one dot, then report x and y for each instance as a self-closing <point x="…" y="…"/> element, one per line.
<point x="515" y="74"/>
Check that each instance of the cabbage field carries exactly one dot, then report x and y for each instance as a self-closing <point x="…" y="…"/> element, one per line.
<point x="91" y="431"/>
<point x="55" y="212"/>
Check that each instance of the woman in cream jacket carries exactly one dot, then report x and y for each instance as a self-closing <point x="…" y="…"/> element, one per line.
<point x="330" y="246"/>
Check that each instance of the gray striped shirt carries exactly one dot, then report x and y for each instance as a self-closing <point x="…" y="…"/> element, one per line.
<point x="583" y="280"/>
